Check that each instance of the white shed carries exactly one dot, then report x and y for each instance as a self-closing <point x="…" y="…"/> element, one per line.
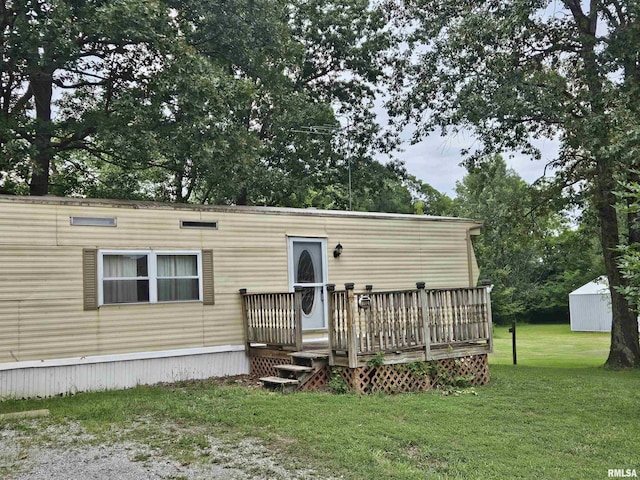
<point x="590" y="307"/>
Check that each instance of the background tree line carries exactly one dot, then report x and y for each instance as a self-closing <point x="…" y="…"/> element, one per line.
<point x="215" y="101"/>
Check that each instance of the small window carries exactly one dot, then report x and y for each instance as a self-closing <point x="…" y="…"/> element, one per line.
<point x="178" y="278"/>
<point x="197" y="224"/>
<point x="125" y="278"/>
<point x="93" y="221"/>
<point x="149" y="277"/>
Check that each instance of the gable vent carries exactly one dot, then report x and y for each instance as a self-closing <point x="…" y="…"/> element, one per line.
<point x="93" y="221"/>
<point x="196" y="224"/>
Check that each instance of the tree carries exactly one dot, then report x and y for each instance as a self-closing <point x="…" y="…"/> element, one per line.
<point x="508" y="250"/>
<point x="512" y="72"/>
<point x="533" y="256"/>
<point x="308" y="62"/>
<point x="86" y="53"/>
<point x="191" y="101"/>
<point x="569" y="259"/>
<point x="429" y="201"/>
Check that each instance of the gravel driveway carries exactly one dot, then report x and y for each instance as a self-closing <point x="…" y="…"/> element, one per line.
<point x="33" y="450"/>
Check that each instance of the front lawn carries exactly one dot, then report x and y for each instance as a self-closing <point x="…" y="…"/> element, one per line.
<point x="545" y="418"/>
<point x="550" y="346"/>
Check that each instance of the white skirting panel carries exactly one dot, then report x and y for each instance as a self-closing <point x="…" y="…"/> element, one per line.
<point x="47" y="381"/>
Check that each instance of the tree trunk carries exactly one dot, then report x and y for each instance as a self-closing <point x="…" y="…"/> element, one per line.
<point x="625" y="349"/>
<point x="41" y="85"/>
<point x="241" y="198"/>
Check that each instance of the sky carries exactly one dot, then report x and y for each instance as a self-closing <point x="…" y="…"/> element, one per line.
<point x="436" y="160"/>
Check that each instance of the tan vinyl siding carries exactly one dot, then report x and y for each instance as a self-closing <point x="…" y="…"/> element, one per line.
<point x="42" y="284"/>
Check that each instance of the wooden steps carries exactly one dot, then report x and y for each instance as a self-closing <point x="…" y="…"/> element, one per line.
<point x="283" y="385"/>
<point x="291" y="376"/>
<point x="286" y="371"/>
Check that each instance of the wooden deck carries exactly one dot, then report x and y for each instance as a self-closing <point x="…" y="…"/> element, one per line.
<point x="399" y="326"/>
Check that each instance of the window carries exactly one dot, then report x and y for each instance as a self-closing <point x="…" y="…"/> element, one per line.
<point x="149" y="276"/>
<point x="178" y="278"/>
<point x="197" y="224"/>
<point x="93" y="221"/>
<point x="125" y="278"/>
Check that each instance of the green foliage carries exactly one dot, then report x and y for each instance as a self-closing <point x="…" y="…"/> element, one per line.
<point x="337" y="384"/>
<point x="507" y="249"/>
<point x="513" y="73"/>
<point x="377" y="360"/>
<point x="531" y="254"/>
<point x="197" y="101"/>
<point x="629" y="258"/>
<point x="449" y="381"/>
<point x="418" y="369"/>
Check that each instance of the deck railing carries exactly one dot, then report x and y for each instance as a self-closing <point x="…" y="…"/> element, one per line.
<point x="400" y="321"/>
<point x="362" y="324"/>
<point x="273" y="318"/>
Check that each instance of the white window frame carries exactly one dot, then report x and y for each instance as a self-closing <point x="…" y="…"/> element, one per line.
<point x="152" y="274"/>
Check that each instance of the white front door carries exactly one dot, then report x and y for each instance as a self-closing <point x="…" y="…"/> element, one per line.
<point x="308" y="269"/>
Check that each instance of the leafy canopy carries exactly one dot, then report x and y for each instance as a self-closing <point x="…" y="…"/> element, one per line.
<point x="515" y="71"/>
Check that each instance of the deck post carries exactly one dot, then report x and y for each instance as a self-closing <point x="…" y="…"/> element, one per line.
<point x="352" y="337"/>
<point x="245" y="319"/>
<point x="370" y="329"/>
<point x="298" y="317"/>
<point x="423" y="312"/>
<point x="331" y="324"/>
<point x="487" y="297"/>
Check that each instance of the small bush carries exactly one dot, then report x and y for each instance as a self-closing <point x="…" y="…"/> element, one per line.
<point x="377" y="360"/>
<point x="336" y="382"/>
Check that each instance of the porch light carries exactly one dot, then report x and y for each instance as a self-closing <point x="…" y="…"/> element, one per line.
<point x="337" y="251"/>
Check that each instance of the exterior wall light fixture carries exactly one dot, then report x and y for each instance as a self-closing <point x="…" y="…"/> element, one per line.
<point x="337" y="251"/>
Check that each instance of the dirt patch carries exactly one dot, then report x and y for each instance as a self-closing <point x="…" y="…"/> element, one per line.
<point x="34" y="451"/>
<point x="246" y="381"/>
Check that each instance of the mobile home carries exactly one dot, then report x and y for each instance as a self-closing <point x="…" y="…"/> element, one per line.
<point x="105" y="294"/>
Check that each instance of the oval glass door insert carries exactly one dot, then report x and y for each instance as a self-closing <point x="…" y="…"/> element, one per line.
<point x="306" y="274"/>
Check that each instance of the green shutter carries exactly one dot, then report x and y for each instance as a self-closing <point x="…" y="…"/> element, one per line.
<point x="208" y="297"/>
<point x="90" y="278"/>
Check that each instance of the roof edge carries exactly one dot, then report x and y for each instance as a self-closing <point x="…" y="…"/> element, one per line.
<point x="98" y="202"/>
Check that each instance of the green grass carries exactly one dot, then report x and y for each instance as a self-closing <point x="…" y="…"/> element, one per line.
<point x="550" y="346"/>
<point x="544" y="418"/>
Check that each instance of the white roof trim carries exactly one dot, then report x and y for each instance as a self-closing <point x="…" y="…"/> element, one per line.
<point x="96" y="202"/>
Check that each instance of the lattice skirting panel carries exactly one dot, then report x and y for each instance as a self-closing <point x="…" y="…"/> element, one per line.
<point x="476" y="365"/>
<point x="398" y="378"/>
<point x="386" y="378"/>
<point x="318" y="381"/>
<point x="263" y="366"/>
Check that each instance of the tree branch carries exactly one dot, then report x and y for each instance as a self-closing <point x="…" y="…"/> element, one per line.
<point x="22" y="101"/>
<point x="60" y="83"/>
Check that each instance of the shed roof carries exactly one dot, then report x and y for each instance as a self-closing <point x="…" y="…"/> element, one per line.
<point x="598" y="286"/>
